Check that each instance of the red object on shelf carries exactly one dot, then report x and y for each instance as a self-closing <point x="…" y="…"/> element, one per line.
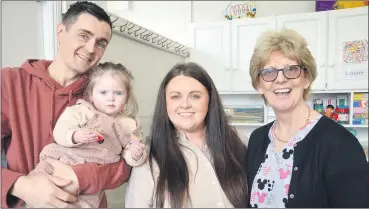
<point x="343" y="114"/>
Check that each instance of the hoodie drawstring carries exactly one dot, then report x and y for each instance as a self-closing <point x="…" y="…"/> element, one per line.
<point x="70" y="98"/>
<point x="52" y="109"/>
<point x="52" y="106"/>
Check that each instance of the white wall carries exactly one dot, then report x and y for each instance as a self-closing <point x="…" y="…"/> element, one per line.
<point x="172" y="18"/>
<point x="169" y="18"/>
<point x="147" y="64"/>
<point x="204" y="11"/>
<point x="22" y="35"/>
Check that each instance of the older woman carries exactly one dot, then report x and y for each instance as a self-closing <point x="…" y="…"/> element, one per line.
<point x="196" y="159"/>
<point x="302" y="159"/>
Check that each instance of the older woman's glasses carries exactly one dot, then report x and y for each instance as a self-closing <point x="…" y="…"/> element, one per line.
<point x="290" y="72"/>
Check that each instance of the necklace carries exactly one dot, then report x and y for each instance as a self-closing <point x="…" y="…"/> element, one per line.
<point x="306" y="122"/>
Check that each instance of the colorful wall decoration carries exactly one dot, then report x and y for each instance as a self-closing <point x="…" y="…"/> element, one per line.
<point x="243" y="9"/>
<point x="349" y="4"/>
<point x="355" y="52"/>
<point x="333" y="5"/>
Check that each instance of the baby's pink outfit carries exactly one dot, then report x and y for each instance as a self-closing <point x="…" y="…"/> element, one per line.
<point x="84" y="115"/>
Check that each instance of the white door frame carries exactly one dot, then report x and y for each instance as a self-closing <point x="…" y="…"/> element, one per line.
<point x="51" y="16"/>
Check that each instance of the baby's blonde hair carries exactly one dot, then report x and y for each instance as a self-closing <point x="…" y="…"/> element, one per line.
<point x="119" y="72"/>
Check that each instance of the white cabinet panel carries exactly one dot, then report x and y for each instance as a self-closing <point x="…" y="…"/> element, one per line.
<point x="245" y="32"/>
<point x="218" y="72"/>
<point x="211" y="49"/>
<point x="314" y="28"/>
<point x="348" y="49"/>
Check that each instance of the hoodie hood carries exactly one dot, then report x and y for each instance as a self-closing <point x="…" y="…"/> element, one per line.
<point x="39" y="69"/>
<point x="58" y="94"/>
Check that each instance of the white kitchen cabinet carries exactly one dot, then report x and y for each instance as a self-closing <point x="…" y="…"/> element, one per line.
<point x="225" y="48"/>
<point x="245" y="32"/>
<point x="314" y="28"/>
<point x="348" y="49"/>
<point x="211" y="49"/>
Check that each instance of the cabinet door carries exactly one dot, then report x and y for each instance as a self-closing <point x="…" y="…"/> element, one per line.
<point x="348" y="49"/>
<point x="245" y="32"/>
<point x="211" y="49"/>
<point x="313" y="27"/>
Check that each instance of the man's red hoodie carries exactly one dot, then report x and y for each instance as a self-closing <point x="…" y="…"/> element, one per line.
<point x="31" y="102"/>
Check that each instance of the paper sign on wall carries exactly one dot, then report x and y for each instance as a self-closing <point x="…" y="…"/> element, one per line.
<point x="355" y="58"/>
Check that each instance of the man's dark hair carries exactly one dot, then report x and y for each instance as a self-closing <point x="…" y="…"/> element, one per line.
<point x="330" y="106"/>
<point x="80" y="7"/>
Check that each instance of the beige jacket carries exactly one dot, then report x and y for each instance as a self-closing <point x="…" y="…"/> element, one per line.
<point x="204" y="188"/>
<point x="116" y="131"/>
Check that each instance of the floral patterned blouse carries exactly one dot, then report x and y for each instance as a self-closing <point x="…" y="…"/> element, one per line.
<point x="272" y="181"/>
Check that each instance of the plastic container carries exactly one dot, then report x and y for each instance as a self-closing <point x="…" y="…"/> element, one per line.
<point x="342" y="114"/>
<point x="318" y="106"/>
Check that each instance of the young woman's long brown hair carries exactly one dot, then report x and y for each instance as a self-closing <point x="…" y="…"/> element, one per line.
<point x="227" y="150"/>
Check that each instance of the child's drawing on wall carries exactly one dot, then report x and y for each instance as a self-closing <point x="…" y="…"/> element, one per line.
<point x="355" y="52"/>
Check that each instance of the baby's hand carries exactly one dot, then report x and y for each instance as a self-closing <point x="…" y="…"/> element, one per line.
<point x="137" y="148"/>
<point x="84" y="135"/>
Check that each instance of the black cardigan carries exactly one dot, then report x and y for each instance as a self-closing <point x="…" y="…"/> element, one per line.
<point x="330" y="167"/>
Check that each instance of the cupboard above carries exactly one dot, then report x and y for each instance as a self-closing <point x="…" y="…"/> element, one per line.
<point x="338" y="40"/>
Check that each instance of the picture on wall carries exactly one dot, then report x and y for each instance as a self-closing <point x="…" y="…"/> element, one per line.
<point x="355" y="52"/>
<point x="355" y="59"/>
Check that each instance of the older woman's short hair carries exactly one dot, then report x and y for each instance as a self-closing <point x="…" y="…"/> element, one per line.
<point x="289" y="42"/>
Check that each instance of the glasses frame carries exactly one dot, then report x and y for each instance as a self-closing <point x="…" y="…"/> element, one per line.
<point x="302" y="68"/>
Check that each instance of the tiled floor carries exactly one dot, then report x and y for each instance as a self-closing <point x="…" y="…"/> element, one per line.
<point x="116" y="197"/>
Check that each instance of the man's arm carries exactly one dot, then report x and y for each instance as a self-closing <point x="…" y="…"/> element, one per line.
<point x="8" y="177"/>
<point x="93" y="178"/>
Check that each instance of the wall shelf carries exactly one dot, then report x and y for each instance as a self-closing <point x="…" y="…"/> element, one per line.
<point x="247" y="124"/>
<point x="262" y="124"/>
<point x="312" y="92"/>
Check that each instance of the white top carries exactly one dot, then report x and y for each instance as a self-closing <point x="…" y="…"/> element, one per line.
<point x="204" y="188"/>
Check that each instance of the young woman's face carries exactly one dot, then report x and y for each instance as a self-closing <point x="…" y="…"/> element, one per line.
<point x="187" y="103"/>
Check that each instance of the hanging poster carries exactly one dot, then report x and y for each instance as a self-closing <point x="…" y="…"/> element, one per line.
<point x="355" y="59"/>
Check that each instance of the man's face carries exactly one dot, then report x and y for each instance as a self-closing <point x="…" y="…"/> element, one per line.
<point x="83" y="43"/>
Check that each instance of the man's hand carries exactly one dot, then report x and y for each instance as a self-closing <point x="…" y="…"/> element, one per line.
<point x="62" y="170"/>
<point x="42" y="191"/>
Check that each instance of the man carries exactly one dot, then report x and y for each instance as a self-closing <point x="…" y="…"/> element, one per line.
<point x="33" y="97"/>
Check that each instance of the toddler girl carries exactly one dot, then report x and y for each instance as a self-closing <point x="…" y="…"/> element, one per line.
<point x="101" y="130"/>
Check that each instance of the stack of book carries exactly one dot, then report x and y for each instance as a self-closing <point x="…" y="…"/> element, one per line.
<point x="245" y="114"/>
<point x="360" y="109"/>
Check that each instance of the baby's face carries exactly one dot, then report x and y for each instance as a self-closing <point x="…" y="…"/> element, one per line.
<point x="109" y="95"/>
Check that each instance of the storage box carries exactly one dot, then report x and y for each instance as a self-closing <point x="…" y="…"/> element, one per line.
<point x="245" y="114"/>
